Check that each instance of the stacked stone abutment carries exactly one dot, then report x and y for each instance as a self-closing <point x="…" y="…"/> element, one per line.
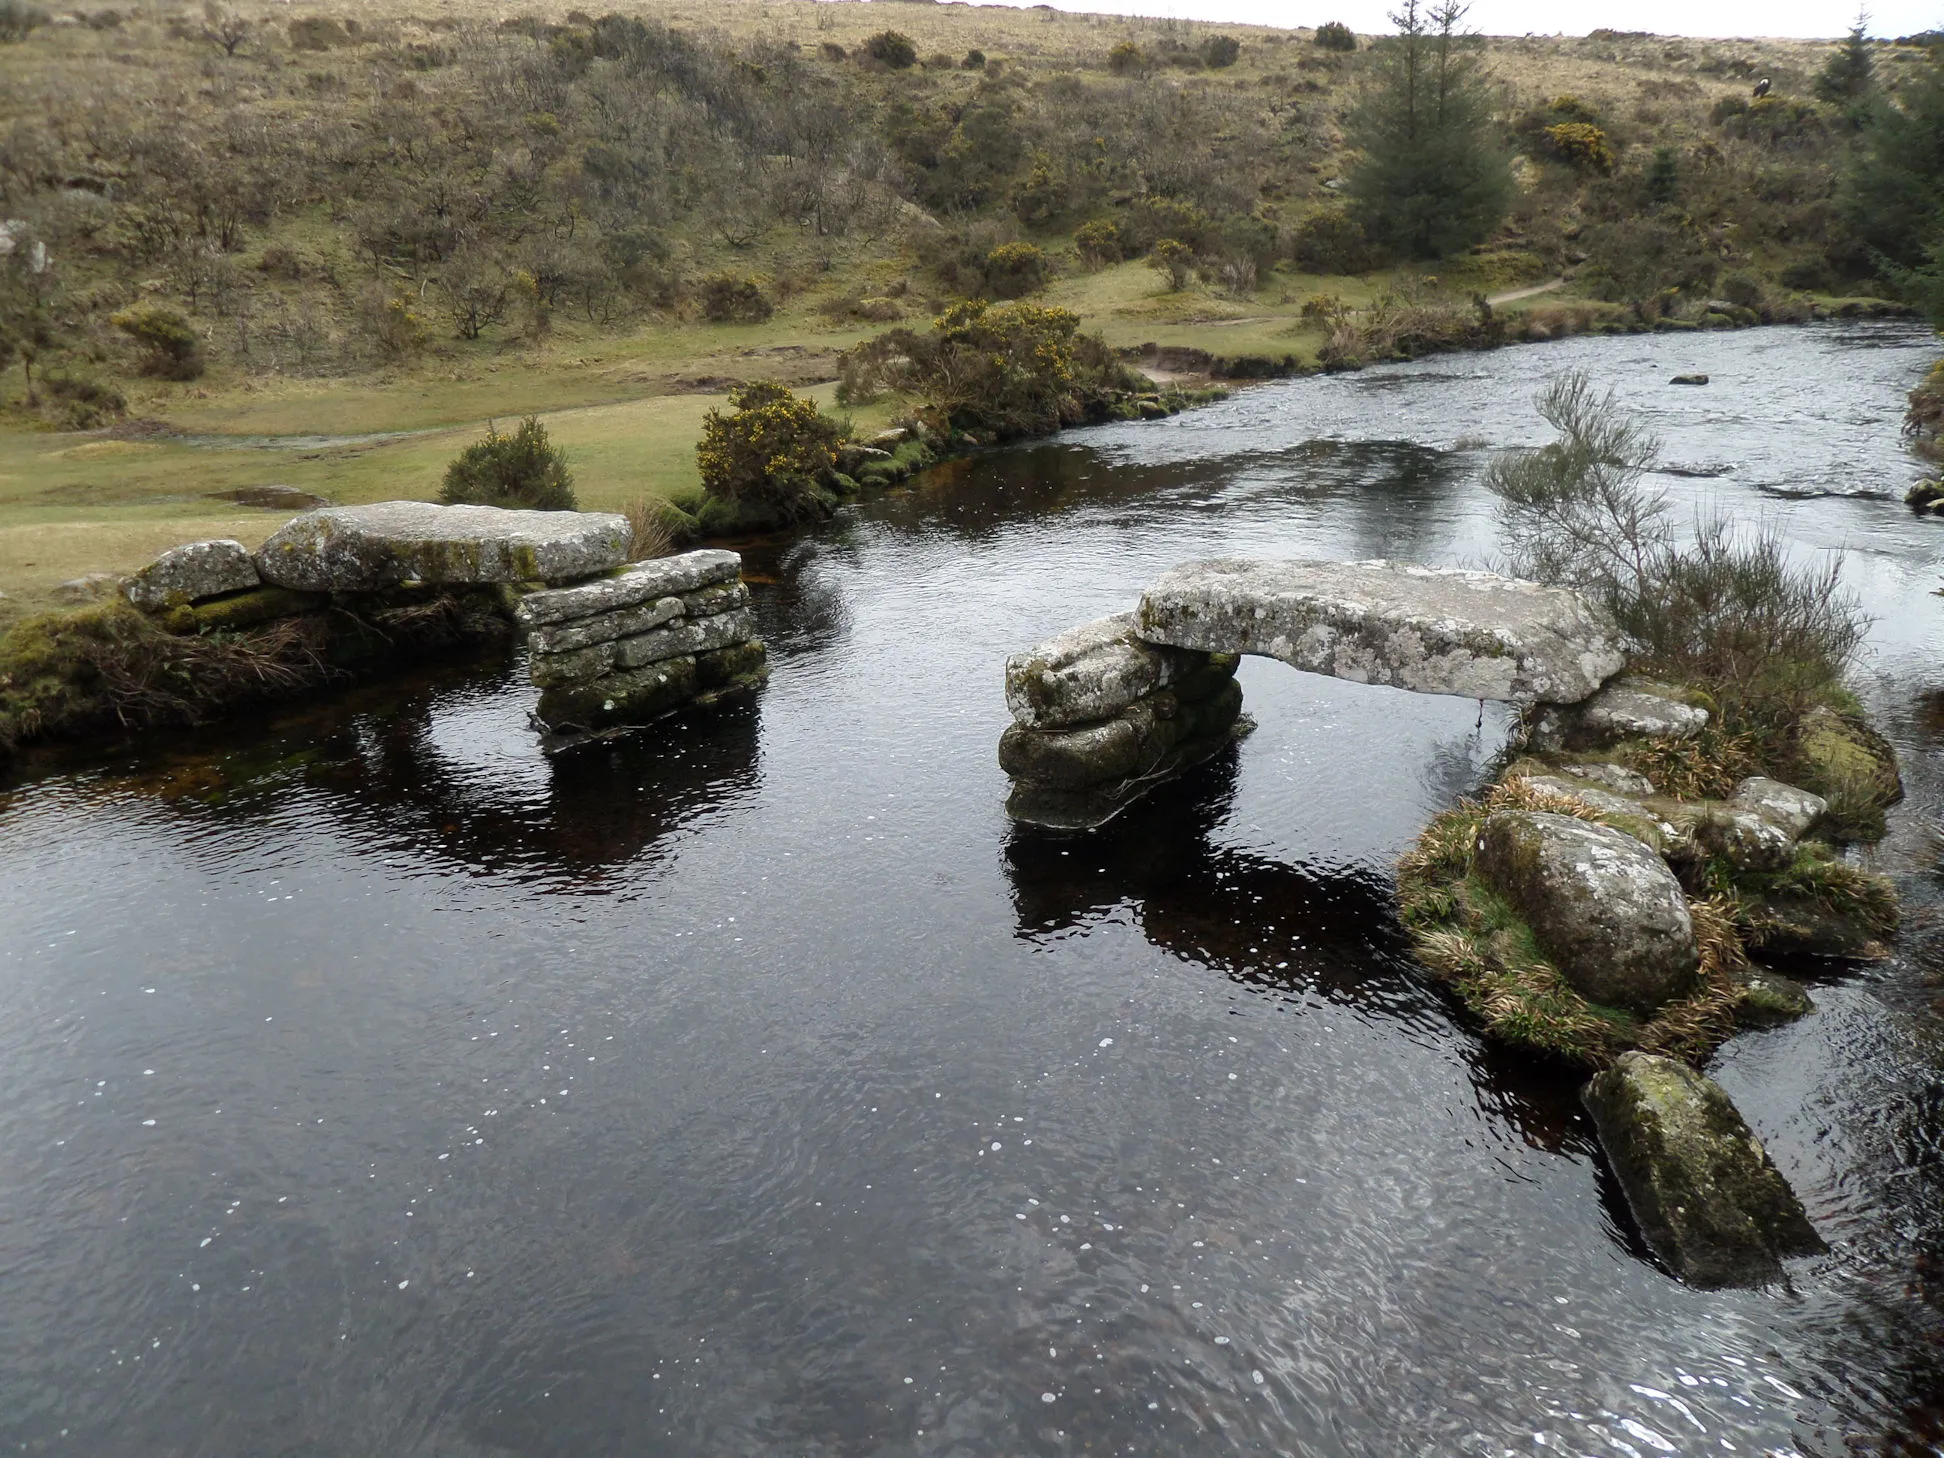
<point x="631" y="646"/>
<point x="1099" y="715"/>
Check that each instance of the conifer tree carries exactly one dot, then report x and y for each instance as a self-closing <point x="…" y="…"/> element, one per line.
<point x="1850" y="74"/>
<point x="1434" y="177"/>
<point x="1894" y="196"/>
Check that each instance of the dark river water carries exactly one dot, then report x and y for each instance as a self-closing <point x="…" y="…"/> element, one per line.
<point x="371" y="1085"/>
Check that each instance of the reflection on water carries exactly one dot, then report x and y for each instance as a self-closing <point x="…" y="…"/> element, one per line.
<point x="375" y="1084"/>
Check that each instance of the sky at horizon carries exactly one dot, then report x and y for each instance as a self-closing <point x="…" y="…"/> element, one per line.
<point x="1722" y="18"/>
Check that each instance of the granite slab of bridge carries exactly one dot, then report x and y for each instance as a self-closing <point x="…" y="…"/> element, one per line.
<point x="1105" y="711"/>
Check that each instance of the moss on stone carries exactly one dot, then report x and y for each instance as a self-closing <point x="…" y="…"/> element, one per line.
<point x="241" y="610"/>
<point x="1838" y="756"/>
<point x="1472" y="940"/>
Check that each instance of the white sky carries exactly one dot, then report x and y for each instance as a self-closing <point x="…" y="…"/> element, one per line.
<point x="1575" y="17"/>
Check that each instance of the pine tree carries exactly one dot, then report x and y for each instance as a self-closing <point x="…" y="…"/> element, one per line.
<point x="1851" y="73"/>
<point x="1434" y="177"/>
<point x="1894" y="196"/>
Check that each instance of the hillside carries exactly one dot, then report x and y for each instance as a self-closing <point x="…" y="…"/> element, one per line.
<point x="383" y="229"/>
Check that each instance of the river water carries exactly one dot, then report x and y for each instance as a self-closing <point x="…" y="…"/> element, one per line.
<point x="370" y="1084"/>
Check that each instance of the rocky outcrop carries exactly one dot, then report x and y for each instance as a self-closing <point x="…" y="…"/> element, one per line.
<point x="1704" y="1192"/>
<point x="1433" y="630"/>
<point x="190" y="573"/>
<point x="1100" y="716"/>
<point x="1603" y="907"/>
<point x="364" y="548"/>
<point x="632" y="646"/>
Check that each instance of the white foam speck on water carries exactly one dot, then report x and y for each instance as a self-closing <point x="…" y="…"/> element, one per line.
<point x="1106" y="1042"/>
<point x="1047" y="1397"/>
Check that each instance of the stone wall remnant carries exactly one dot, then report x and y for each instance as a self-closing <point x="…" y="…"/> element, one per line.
<point x="635" y="644"/>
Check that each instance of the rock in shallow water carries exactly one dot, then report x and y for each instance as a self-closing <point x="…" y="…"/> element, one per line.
<point x="1704" y="1192"/>
<point x="1603" y="907"/>
<point x="362" y="548"/>
<point x="1429" y="629"/>
<point x="192" y="572"/>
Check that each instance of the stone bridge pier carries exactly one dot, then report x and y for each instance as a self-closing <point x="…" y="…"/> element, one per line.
<point x="1105" y="711"/>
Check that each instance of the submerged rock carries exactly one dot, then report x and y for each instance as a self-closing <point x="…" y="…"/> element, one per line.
<point x="362" y="548"/>
<point x="1428" y="629"/>
<point x="1704" y="1192"/>
<point x="1090" y="673"/>
<point x="192" y="572"/>
<point x="1603" y="907"/>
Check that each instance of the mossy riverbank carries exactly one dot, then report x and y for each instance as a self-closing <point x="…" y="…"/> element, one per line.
<point x="1754" y="913"/>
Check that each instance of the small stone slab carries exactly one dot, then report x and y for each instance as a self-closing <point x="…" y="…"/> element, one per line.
<point x="641" y="582"/>
<point x="1636" y="711"/>
<point x="578" y="633"/>
<point x="626" y="622"/>
<point x="1089" y="673"/>
<point x="362" y="548"/>
<point x="192" y="572"/>
<point x="1794" y="811"/>
<point x="1432" y="630"/>
<point x="1704" y="1192"/>
<point x="1613" y="776"/>
<point x="681" y="639"/>
<point x="1604" y="907"/>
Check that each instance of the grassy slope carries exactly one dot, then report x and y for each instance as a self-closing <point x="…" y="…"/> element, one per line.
<point x="628" y="405"/>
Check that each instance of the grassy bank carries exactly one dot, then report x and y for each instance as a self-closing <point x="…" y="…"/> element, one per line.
<point x="381" y="230"/>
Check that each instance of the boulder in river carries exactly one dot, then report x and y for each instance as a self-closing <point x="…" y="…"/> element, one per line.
<point x="192" y="572"/>
<point x="1603" y="907"/>
<point x="1704" y="1192"/>
<point x="363" y="548"/>
<point x="1433" y="630"/>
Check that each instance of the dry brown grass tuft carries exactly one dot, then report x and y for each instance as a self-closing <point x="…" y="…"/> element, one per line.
<point x="649" y="532"/>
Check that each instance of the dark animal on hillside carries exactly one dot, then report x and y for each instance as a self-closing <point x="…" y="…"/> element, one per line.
<point x="1761" y="88"/>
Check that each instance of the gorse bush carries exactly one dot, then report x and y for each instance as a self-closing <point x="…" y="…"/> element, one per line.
<point x="171" y="348"/>
<point x="524" y="470"/>
<point x="1334" y="35"/>
<point x="19" y="19"/>
<point x="1098" y="243"/>
<point x="1174" y="261"/>
<point x="1722" y="609"/>
<point x="768" y="459"/>
<point x="892" y="48"/>
<point x="1220" y="51"/>
<point x="996" y="371"/>
<point x="732" y="298"/>
<point x="1013" y="269"/>
<point x="1580" y="145"/>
